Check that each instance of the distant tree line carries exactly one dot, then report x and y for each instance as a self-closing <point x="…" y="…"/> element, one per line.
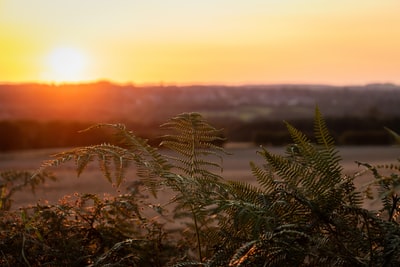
<point x="31" y="134"/>
<point x="345" y="131"/>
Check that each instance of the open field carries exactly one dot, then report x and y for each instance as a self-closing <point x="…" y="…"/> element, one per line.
<point x="236" y="167"/>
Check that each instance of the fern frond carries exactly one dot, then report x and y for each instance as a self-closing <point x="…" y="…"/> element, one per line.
<point x="193" y="142"/>
<point x="240" y="190"/>
<point x="323" y="169"/>
<point x="328" y="152"/>
<point x="193" y="139"/>
<point x="300" y="139"/>
<point x="395" y="135"/>
<point x="321" y="131"/>
<point x="114" y="160"/>
<point x="388" y="187"/>
<point x="149" y="162"/>
<point x="288" y="171"/>
<point x="265" y="177"/>
<point x="105" y="153"/>
<point x="250" y="210"/>
<point x="242" y="254"/>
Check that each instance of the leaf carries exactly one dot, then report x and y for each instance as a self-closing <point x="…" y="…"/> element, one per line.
<point x="395" y="135"/>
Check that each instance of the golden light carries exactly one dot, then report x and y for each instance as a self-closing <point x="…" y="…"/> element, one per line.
<point x="66" y="64"/>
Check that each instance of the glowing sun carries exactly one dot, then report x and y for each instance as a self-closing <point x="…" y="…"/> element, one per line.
<point x="66" y="64"/>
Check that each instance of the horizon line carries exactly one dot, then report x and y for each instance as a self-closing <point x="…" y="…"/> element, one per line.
<point x="205" y="84"/>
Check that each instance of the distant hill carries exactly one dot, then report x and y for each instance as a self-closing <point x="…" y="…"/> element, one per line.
<point x="39" y="116"/>
<point x="104" y="101"/>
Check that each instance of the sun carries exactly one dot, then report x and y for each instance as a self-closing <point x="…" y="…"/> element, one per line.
<point x="66" y="64"/>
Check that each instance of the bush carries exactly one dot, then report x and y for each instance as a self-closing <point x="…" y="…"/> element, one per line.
<point x="303" y="212"/>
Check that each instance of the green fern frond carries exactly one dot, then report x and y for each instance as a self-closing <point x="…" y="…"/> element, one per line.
<point x="300" y="139"/>
<point x="325" y="139"/>
<point x="321" y="131"/>
<point x="107" y="155"/>
<point x="265" y="177"/>
<point x="250" y="210"/>
<point x="240" y="190"/>
<point x="114" y="160"/>
<point x="288" y="171"/>
<point x="149" y="162"/>
<point x="193" y="139"/>
<point x="304" y="205"/>
<point x="195" y="154"/>
<point x="319" y="166"/>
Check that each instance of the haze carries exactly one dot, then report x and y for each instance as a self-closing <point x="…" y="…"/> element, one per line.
<point x="204" y="42"/>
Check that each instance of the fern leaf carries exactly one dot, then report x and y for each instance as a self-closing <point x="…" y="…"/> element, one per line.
<point x="114" y="160"/>
<point x="265" y="178"/>
<point x="321" y="131"/>
<point x="242" y="255"/>
<point x="395" y="135"/>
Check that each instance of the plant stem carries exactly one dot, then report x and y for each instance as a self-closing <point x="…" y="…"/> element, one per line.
<point x="197" y="234"/>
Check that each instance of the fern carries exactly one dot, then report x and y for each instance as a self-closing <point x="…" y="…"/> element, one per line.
<point x="303" y="212"/>
<point x="388" y="186"/>
<point x="116" y="159"/>
<point x="193" y="141"/>
<point x="106" y="154"/>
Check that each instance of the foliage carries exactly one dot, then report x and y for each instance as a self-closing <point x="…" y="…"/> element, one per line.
<point x="193" y="140"/>
<point x="12" y="181"/>
<point x="303" y="212"/>
<point x="83" y="230"/>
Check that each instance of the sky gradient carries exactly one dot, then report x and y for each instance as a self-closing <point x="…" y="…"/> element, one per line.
<point x="203" y="42"/>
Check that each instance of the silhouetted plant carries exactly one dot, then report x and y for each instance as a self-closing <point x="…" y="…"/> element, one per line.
<point x="303" y="212"/>
<point x="186" y="171"/>
<point x="193" y="141"/>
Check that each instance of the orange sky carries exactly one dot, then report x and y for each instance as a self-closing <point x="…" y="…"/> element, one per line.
<point x="208" y="42"/>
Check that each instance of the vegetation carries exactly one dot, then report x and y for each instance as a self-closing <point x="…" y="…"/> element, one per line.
<point x="303" y="212"/>
<point x="32" y="134"/>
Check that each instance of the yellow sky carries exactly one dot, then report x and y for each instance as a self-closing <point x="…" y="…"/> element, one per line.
<point x="208" y="41"/>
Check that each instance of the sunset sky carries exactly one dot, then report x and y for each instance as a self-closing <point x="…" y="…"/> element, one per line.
<point x="208" y="42"/>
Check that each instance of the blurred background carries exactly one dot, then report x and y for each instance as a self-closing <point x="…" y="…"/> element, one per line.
<point x="245" y="65"/>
